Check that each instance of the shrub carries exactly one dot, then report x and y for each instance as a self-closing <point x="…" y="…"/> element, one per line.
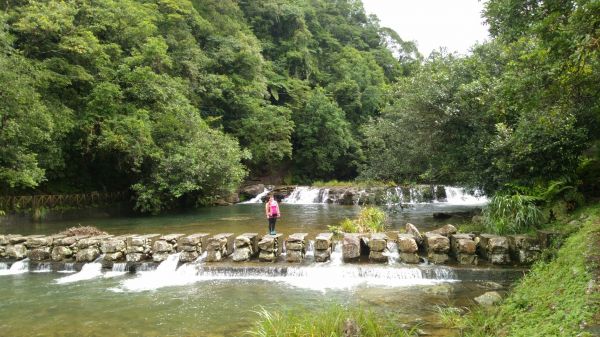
<point x="369" y="220"/>
<point x="512" y="214"/>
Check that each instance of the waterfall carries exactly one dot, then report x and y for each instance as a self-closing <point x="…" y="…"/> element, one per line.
<point x="18" y="267"/>
<point x="336" y="257"/>
<point x="43" y="268"/>
<point x="306" y="195"/>
<point x="118" y="269"/>
<point x="392" y="252"/>
<point x="68" y="268"/>
<point x="310" y="248"/>
<point x="458" y="196"/>
<point x="257" y="199"/>
<point x="88" y="271"/>
<point x="164" y="275"/>
<point x="3" y="266"/>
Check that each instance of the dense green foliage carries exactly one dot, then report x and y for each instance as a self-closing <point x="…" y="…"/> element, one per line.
<point x="555" y="298"/>
<point x="370" y="219"/>
<point x="179" y="101"/>
<point x="333" y="321"/>
<point x="511" y="214"/>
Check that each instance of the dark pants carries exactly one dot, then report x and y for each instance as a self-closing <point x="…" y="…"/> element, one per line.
<point x="272" y="224"/>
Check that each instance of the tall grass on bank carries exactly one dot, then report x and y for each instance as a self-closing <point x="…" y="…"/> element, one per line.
<point x="556" y="298"/>
<point x="333" y="321"/>
<point x="506" y="214"/>
<point x="354" y="183"/>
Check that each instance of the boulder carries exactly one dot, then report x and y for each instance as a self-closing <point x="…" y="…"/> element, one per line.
<point x="437" y="258"/>
<point x="87" y="255"/>
<point x="267" y="244"/>
<point x="242" y="253"/>
<point x="322" y="255"/>
<point x="378" y="242"/>
<point x="409" y="258"/>
<point x="69" y="240"/>
<point x="295" y="256"/>
<point x="489" y="298"/>
<point x="549" y="239"/>
<point x="351" y="247"/>
<point x="16" y="251"/>
<point x="407" y="243"/>
<point x="198" y="240"/>
<point x="113" y="246"/>
<point x="298" y="246"/>
<point x="160" y="256"/>
<point x="445" y="230"/>
<point x="135" y="257"/>
<point x="323" y="241"/>
<point x="36" y="242"/>
<point x="116" y="256"/>
<point x="377" y="256"/>
<point x="188" y="256"/>
<point x="162" y="246"/>
<point x="297" y="237"/>
<point x="251" y="191"/>
<point x="437" y="243"/>
<point x="242" y="241"/>
<point x="467" y="259"/>
<point x="60" y="253"/>
<point x="411" y="229"/>
<point x="16" y="239"/>
<point x="171" y="238"/>
<point x="267" y="256"/>
<point x="39" y="254"/>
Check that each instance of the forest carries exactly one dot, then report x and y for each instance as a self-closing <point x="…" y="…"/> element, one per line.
<point x="181" y="101"/>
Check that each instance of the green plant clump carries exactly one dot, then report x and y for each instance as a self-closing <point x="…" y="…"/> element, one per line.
<point x="370" y="220"/>
<point x="556" y="298"/>
<point x="512" y="214"/>
<point x="334" y="321"/>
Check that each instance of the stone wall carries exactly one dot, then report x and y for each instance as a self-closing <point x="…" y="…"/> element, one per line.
<point x="441" y="246"/>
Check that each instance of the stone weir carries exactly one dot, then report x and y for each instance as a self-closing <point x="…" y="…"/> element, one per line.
<point x="441" y="246"/>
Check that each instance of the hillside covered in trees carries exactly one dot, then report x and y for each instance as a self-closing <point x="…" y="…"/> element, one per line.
<point x="181" y="100"/>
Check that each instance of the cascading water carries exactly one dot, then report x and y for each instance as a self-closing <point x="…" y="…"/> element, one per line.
<point x="392" y="253"/>
<point x="310" y="248"/>
<point x="118" y="269"/>
<point x="43" y="268"/>
<point x="18" y="267"/>
<point x="68" y="268"/>
<point x="458" y="196"/>
<point x="337" y="255"/>
<point x="3" y="266"/>
<point x="305" y="195"/>
<point x="257" y="199"/>
<point x="164" y="275"/>
<point x="88" y="271"/>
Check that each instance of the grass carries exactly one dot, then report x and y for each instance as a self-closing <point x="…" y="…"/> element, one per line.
<point x="333" y="321"/>
<point x="551" y="300"/>
<point x="509" y="214"/>
<point x="370" y="220"/>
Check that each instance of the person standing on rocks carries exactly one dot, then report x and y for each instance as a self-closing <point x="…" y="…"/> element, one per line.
<point x="272" y="211"/>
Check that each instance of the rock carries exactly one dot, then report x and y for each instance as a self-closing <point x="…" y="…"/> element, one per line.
<point x="499" y="258"/>
<point x="16" y="239"/>
<point x="16" y="251"/>
<point x="297" y="237"/>
<point x="377" y="256"/>
<point x="60" y="253"/>
<point x="188" y="256"/>
<point x="136" y="249"/>
<point x="351" y="247"/>
<point x="445" y="230"/>
<point x="116" y="256"/>
<point x="488" y="299"/>
<point x="187" y="248"/>
<point x="437" y="258"/>
<point x="160" y="256"/>
<point x="411" y="229"/>
<point x="267" y="244"/>
<point x="439" y="289"/>
<point x="161" y="246"/>
<point x="323" y="241"/>
<point x="251" y="191"/>
<point x="477" y="219"/>
<point x="294" y="256"/>
<point x="214" y="256"/>
<point x="437" y="243"/>
<point x="135" y="257"/>
<point x="294" y="246"/>
<point x="198" y="239"/>
<point x="87" y="255"/>
<point x="524" y="249"/>
<point x="494" y="248"/>
<point x="242" y="254"/>
<point x="410" y="258"/>
<point x="267" y="256"/>
<point x="171" y="238"/>
<point x="407" y="243"/>
<point x="242" y="241"/>
<point x="467" y="259"/>
<point x="39" y="254"/>
<point x="351" y="328"/>
<point x="549" y="239"/>
<point x="378" y="242"/>
<point x="322" y="255"/>
<point x="465" y="246"/>
<point x="491" y="285"/>
<point x="3" y="240"/>
<point x="113" y="246"/>
<point x="69" y="240"/>
<point x="36" y="242"/>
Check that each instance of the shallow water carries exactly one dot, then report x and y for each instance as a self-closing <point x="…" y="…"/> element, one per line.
<point x="242" y="218"/>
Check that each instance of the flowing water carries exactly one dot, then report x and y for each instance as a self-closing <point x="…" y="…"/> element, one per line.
<point x="221" y="299"/>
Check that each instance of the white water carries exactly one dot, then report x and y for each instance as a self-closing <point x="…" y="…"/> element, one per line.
<point x="257" y="199"/>
<point x="118" y="269"/>
<point x="402" y="195"/>
<point x="392" y="253"/>
<point x="19" y="267"/>
<point x="310" y="248"/>
<point x="306" y="195"/>
<point x="43" y="268"/>
<point x="68" y="268"/>
<point x="88" y="271"/>
<point x="458" y="196"/>
<point x="165" y="275"/>
<point x="3" y="266"/>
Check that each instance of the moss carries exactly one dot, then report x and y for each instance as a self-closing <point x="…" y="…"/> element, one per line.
<point x="552" y="299"/>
